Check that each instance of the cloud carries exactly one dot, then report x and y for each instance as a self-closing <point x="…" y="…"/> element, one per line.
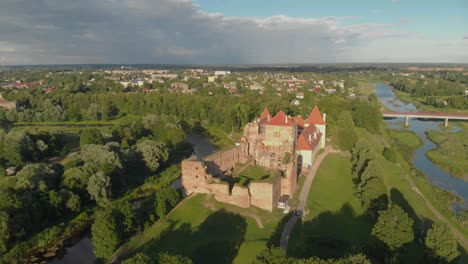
<point x="178" y="31"/>
<point x="89" y="36"/>
<point x="405" y="20"/>
<point x="466" y="36"/>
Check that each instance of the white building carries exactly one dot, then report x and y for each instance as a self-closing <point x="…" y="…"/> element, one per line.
<point x="217" y="73"/>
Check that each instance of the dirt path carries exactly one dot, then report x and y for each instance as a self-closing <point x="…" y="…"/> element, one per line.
<point x="457" y="233"/>
<point x="303" y="197"/>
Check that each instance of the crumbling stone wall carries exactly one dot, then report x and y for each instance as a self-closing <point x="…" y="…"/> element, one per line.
<point x="222" y="161"/>
<point x="239" y="195"/>
<point x="265" y="195"/>
<point x="280" y="135"/>
<point x="289" y="181"/>
<point x="194" y="177"/>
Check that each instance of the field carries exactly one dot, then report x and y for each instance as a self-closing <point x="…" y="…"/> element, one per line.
<point x="208" y="232"/>
<point x="452" y="150"/>
<point x="335" y="224"/>
<point x="365" y="88"/>
<point x="334" y="214"/>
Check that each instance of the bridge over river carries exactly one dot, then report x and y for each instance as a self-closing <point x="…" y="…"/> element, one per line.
<point x="426" y="115"/>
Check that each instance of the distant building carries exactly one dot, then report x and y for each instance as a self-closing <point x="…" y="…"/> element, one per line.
<point x="231" y="85"/>
<point x="48" y="90"/>
<point x="295" y="102"/>
<point x="8" y="104"/>
<point x="164" y="75"/>
<point x="217" y="73"/>
<point x="300" y="95"/>
<point x="212" y="78"/>
<point x="256" y="87"/>
<point x="338" y="83"/>
<point x="331" y="91"/>
<point x="11" y="171"/>
<point x="178" y="86"/>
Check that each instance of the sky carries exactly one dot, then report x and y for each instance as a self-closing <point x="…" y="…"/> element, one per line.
<point x="232" y="31"/>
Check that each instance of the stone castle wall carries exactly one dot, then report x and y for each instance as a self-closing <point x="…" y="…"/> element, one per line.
<point x="223" y="161"/>
<point x="289" y="181"/>
<point x="265" y="195"/>
<point x="194" y="177"/>
<point x="239" y="195"/>
<point x="266" y="145"/>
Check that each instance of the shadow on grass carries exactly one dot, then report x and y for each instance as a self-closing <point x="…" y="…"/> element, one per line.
<point x="217" y="239"/>
<point x="331" y="235"/>
<point x="275" y="238"/>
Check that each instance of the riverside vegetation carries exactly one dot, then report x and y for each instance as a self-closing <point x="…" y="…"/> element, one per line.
<point x="114" y="176"/>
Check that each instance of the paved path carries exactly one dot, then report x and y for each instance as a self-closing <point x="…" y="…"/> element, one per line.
<point x="457" y="233"/>
<point x="303" y="197"/>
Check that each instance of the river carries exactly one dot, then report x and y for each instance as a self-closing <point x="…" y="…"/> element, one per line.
<point x="435" y="174"/>
<point x="82" y="251"/>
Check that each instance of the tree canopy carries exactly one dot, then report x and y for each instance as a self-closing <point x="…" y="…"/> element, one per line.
<point x="394" y="227"/>
<point x="441" y="243"/>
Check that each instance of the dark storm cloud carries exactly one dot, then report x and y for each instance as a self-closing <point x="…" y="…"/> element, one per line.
<point x="168" y="31"/>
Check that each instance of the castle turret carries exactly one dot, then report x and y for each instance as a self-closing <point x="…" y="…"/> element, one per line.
<point x="315" y="118"/>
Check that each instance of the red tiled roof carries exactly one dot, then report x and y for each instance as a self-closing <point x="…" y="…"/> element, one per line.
<point x="2" y="99"/>
<point x="306" y="140"/>
<point x="281" y="119"/>
<point x="299" y="121"/>
<point x="315" y="117"/>
<point x="266" y="116"/>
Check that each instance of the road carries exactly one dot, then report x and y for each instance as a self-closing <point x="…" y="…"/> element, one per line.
<point x="303" y="197"/>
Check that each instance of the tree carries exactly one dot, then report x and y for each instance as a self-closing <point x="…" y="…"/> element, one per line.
<point x="99" y="187"/>
<point x="94" y="112"/>
<point x="138" y="258"/>
<point x="106" y="232"/>
<point x="166" y="199"/>
<point x="165" y="258"/>
<point x="441" y="242"/>
<point x="35" y="177"/>
<point x="91" y="136"/>
<point x="394" y="227"/>
<point x="73" y="202"/>
<point x="390" y="154"/>
<point x="102" y="158"/>
<point x="345" y="135"/>
<point x="367" y="116"/>
<point x="356" y="259"/>
<point x="273" y="255"/>
<point x="154" y="153"/>
<point x="19" y="147"/>
<point x="77" y="178"/>
<point x="4" y="231"/>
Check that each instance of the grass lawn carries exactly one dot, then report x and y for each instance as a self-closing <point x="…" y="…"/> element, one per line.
<point x="252" y="173"/>
<point x="406" y="137"/>
<point x="452" y="150"/>
<point x="365" y="88"/>
<point x="335" y="221"/>
<point x="206" y="235"/>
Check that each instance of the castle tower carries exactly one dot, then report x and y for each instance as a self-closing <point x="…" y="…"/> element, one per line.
<point x="315" y="118"/>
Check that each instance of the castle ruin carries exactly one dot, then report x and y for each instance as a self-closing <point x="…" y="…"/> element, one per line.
<point x="282" y="143"/>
